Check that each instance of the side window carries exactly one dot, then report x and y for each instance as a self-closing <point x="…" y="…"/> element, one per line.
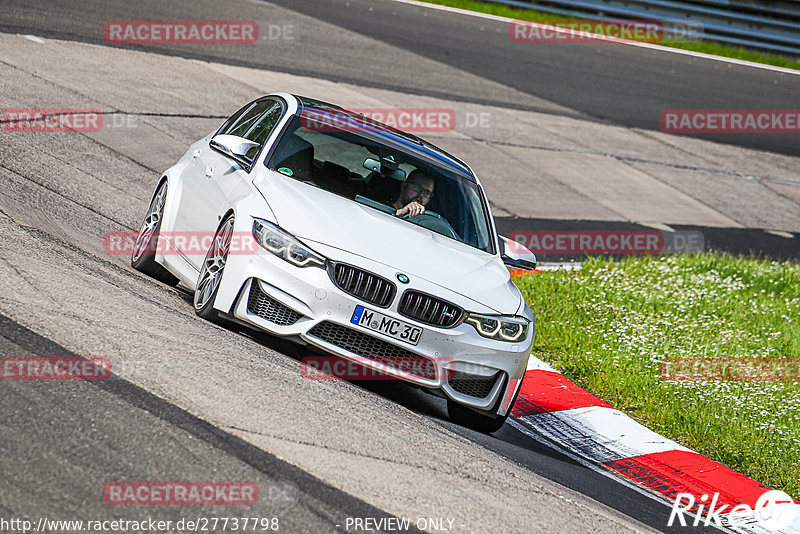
<point x="261" y="130"/>
<point x="226" y="128"/>
<point x="254" y="122"/>
<point x="249" y="118"/>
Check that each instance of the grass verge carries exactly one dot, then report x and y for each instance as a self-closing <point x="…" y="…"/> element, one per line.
<point x="707" y="47"/>
<point x="609" y="325"/>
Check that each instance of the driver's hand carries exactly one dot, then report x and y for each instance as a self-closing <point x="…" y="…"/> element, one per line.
<point x="411" y="209"/>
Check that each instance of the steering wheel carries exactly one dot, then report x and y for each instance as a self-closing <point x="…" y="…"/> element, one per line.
<point x="434" y="222"/>
<point x="427" y="212"/>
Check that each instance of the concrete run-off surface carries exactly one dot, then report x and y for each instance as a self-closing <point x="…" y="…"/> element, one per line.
<point x="61" y="192"/>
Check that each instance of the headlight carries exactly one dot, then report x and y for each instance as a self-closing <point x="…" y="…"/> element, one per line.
<point x="284" y="245"/>
<point x="498" y="327"/>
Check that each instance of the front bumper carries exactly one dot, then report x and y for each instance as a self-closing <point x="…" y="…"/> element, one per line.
<point x="268" y="293"/>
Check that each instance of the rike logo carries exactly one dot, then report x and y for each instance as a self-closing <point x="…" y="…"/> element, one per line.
<point x="774" y="510"/>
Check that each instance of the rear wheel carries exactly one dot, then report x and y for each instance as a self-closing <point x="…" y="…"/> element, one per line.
<point x="144" y="250"/>
<point x="205" y="292"/>
<point x="461" y="415"/>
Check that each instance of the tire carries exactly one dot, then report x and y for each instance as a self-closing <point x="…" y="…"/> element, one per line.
<point x="143" y="256"/>
<point x="208" y="281"/>
<point x="461" y="415"/>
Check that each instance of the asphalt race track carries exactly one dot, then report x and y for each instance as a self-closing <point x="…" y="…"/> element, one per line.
<point x="93" y="431"/>
<point x="193" y="401"/>
<point x="619" y="84"/>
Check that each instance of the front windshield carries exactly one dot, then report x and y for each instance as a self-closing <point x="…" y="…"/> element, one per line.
<point x="340" y="156"/>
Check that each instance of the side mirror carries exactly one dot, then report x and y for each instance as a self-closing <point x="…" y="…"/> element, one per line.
<point x="235" y="147"/>
<point x="515" y="255"/>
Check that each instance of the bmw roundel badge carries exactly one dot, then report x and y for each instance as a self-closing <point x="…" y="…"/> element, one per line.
<point x="402" y="278"/>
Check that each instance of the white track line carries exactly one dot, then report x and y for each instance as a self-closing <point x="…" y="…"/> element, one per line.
<point x="535" y="364"/>
<point x="650" y="46"/>
<point x="600" y="434"/>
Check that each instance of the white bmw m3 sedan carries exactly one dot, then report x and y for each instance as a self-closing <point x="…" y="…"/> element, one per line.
<point x="339" y="232"/>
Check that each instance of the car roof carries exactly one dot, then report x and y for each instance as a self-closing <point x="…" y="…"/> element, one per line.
<point x="400" y="137"/>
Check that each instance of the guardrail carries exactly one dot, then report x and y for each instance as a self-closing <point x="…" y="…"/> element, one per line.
<point x="768" y="25"/>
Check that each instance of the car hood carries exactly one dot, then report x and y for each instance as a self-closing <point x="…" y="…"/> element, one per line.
<point x="313" y="214"/>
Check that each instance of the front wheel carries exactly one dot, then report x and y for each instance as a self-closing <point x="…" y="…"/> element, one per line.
<point x="461" y="415"/>
<point x="205" y="292"/>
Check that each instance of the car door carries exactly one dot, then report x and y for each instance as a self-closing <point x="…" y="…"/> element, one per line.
<point x="191" y="181"/>
<point x="220" y="173"/>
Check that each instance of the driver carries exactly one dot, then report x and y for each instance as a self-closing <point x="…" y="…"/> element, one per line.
<point x="415" y="193"/>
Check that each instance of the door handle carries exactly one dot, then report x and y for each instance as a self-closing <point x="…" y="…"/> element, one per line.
<point x="209" y="171"/>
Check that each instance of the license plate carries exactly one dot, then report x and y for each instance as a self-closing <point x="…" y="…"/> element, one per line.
<point x="386" y="325"/>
